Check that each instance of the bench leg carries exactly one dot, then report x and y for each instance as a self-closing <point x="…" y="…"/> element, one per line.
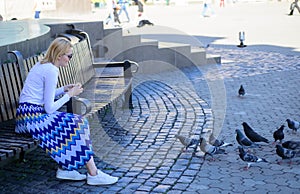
<point x="69" y="105"/>
<point x="128" y="98"/>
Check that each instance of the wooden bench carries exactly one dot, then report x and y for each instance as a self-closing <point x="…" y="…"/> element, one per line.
<point x="82" y="68"/>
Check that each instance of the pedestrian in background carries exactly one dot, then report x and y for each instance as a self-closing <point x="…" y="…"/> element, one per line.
<point x="207" y="9"/>
<point x="222" y="3"/>
<point x="113" y="16"/>
<point x="293" y="6"/>
<point x="38" y="4"/>
<point x="140" y="5"/>
<point x="123" y="7"/>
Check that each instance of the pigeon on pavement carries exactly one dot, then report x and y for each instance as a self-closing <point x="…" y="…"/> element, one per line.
<point x="188" y="142"/>
<point x="292" y="145"/>
<point x="219" y="143"/>
<point x="285" y="153"/>
<point x="292" y="124"/>
<point x="209" y="149"/>
<point x="243" y="140"/>
<point x="241" y="91"/>
<point x="252" y="135"/>
<point x="278" y="134"/>
<point x="249" y="158"/>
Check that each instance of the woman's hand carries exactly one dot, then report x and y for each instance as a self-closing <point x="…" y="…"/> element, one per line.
<point x="74" y="89"/>
<point x="68" y="87"/>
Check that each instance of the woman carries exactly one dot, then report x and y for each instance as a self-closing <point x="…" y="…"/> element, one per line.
<point x="64" y="136"/>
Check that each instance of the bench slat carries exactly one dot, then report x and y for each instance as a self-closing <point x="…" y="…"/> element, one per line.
<point x="13" y="86"/>
<point x="4" y="153"/>
<point x="3" y="156"/>
<point x="13" y="143"/>
<point x="8" y="94"/>
<point x="16" y="149"/>
<point x="3" y="115"/>
<point x="28" y="141"/>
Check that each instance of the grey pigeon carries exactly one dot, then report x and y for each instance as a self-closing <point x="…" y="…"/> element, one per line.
<point x="252" y="135"/>
<point x="188" y="142"/>
<point x="292" y="145"/>
<point x="292" y="124"/>
<point x="285" y="153"/>
<point x="241" y="91"/>
<point x="243" y="140"/>
<point x="249" y="158"/>
<point x="278" y="134"/>
<point x="219" y="143"/>
<point x="209" y="149"/>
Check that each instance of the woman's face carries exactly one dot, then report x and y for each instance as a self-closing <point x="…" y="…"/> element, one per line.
<point x="65" y="58"/>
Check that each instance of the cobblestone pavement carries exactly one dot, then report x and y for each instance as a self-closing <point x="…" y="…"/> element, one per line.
<point x="141" y="149"/>
<point x="139" y="145"/>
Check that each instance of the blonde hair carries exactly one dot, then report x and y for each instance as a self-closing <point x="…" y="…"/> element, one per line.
<point x="57" y="48"/>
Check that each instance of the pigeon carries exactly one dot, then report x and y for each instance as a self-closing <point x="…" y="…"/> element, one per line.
<point x="188" y="142"/>
<point x="292" y="145"/>
<point x="206" y="46"/>
<point x="252" y="135"/>
<point x="278" y="134"/>
<point x="219" y="143"/>
<point x="243" y="140"/>
<point x="285" y="153"/>
<point x="294" y="125"/>
<point x="249" y="158"/>
<point x="241" y="91"/>
<point x="209" y="149"/>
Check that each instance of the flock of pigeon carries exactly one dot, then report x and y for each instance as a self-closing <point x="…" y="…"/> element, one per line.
<point x="249" y="139"/>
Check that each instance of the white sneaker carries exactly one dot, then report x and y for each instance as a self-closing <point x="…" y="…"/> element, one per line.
<point x="70" y="175"/>
<point x="101" y="179"/>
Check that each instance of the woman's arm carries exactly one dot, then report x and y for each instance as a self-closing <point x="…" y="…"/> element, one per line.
<point x="50" y="83"/>
<point x="63" y="89"/>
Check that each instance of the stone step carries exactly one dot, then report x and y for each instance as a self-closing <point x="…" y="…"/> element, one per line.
<point x="181" y="48"/>
<point x="145" y="41"/>
<point x="198" y="55"/>
<point x="213" y="59"/>
<point x="134" y="47"/>
<point x="131" y="41"/>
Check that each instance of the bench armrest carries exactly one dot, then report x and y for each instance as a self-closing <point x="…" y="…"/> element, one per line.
<point x="125" y="64"/>
<point x="136" y="66"/>
<point x="77" y="105"/>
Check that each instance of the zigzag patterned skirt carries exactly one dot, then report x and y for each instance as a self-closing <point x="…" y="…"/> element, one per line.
<point x="64" y="136"/>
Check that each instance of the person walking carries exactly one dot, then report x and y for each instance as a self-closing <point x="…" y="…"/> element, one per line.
<point x="140" y="5"/>
<point x="65" y="137"/>
<point x="123" y="7"/>
<point x="293" y="6"/>
<point x="222" y="3"/>
<point x="207" y="9"/>
<point x="37" y="8"/>
<point x="113" y="16"/>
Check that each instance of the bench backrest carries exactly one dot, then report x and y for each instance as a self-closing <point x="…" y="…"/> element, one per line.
<point x="10" y="88"/>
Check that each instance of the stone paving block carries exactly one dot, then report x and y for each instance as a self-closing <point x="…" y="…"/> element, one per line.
<point x="161" y="188"/>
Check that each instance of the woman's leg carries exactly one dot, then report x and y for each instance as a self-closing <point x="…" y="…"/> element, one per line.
<point x="91" y="167"/>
